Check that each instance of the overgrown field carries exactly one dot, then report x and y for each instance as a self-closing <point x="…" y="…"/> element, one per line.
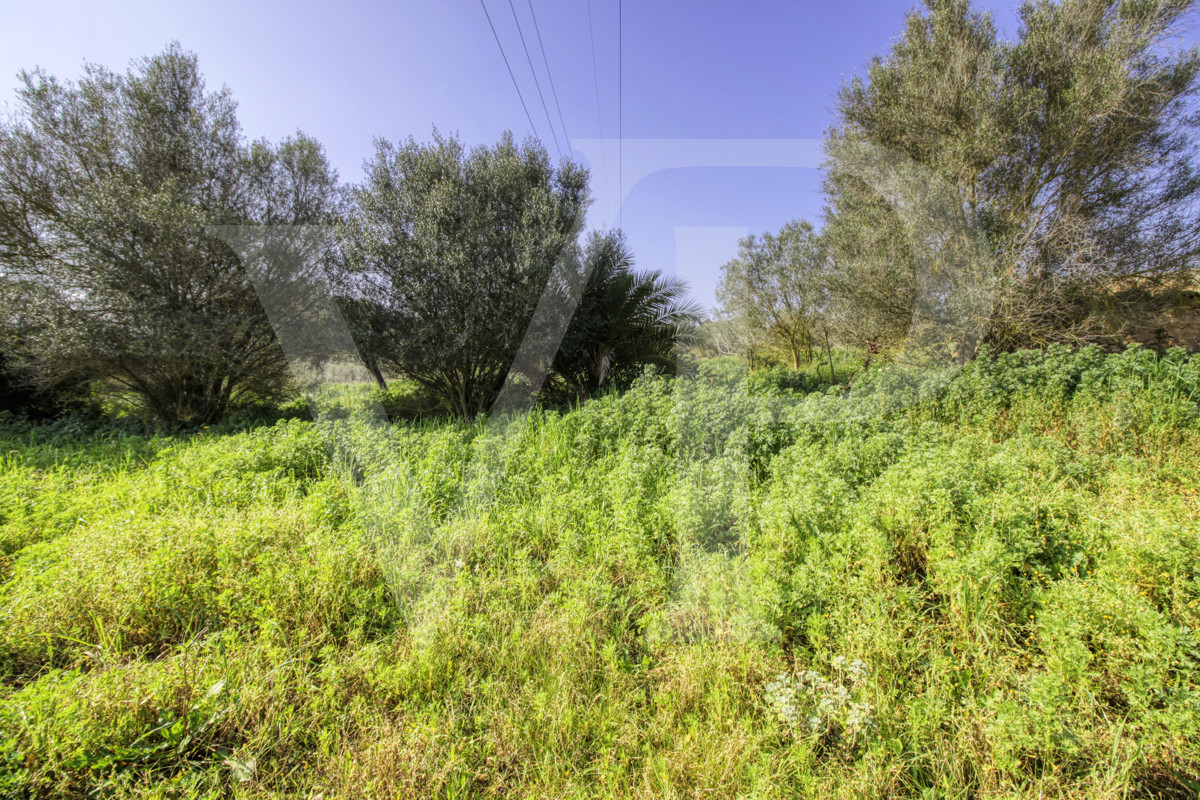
<point x="926" y="586"/>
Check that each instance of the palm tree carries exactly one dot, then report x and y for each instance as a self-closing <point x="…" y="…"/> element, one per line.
<point x="625" y="321"/>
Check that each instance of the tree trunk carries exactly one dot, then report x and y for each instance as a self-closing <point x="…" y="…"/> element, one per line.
<point x="373" y="367"/>
<point x="829" y="355"/>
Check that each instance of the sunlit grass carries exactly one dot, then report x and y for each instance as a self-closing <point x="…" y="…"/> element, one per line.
<point x="1012" y="554"/>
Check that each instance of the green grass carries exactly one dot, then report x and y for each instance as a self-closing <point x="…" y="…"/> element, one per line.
<point x="593" y="603"/>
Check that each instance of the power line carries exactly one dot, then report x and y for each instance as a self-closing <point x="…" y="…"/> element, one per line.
<point x="549" y="74"/>
<point x="510" y="72"/>
<point x="620" y="113"/>
<point x="599" y="116"/>
<point x="535" y="79"/>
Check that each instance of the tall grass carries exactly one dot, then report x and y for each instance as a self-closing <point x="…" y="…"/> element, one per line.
<point x="593" y="603"/>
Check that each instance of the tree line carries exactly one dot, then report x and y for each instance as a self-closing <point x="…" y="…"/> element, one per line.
<point x="112" y="276"/>
<point x="1054" y="175"/>
<point x="1069" y="153"/>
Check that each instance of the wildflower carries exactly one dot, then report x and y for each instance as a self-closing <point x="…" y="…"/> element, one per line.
<point x="823" y="701"/>
<point x="860" y="716"/>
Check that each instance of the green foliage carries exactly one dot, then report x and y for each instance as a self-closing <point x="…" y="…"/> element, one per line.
<point x="986" y="580"/>
<point x="625" y="321"/>
<point x="455" y="248"/>
<point x="19" y="395"/>
<point x="777" y="287"/>
<point x="995" y="126"/>
<point x="825" y="706"/>
<point x="108" y="272"/>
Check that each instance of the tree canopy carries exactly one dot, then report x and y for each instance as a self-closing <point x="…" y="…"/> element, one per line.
<point x="778" y="284"/>
<point x="458" y="246"/>
<point x="625" y="320"/>
<point x="1070" y="149"/>
<point x="108" y="187"/>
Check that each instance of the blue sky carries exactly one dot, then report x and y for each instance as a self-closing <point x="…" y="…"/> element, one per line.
<point x="691" y="70"/>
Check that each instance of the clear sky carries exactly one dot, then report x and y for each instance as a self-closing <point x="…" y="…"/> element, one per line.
<point x="347" y="73"/>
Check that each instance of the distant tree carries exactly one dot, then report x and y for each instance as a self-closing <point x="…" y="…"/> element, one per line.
<point x="456" y="248"/>
<point x="370" y="326"/>
<point x="1071" y="150"/>
<point x="626" y="320"/>
<point x="107" y="188"/>
<point x="777" y="285"/>
<point x="731" y="335"/>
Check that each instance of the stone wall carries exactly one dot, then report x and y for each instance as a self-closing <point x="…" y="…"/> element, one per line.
<point x="1177" y="325"/>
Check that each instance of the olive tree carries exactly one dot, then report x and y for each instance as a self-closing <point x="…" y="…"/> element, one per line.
<point x="1070" y="149"/>
<point x="455" y="247"/>
<point x="109" y="187"/>
<point x="778" y="285"/>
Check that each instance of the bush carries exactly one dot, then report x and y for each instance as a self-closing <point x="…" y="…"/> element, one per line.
<point x="505" y="605"/>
